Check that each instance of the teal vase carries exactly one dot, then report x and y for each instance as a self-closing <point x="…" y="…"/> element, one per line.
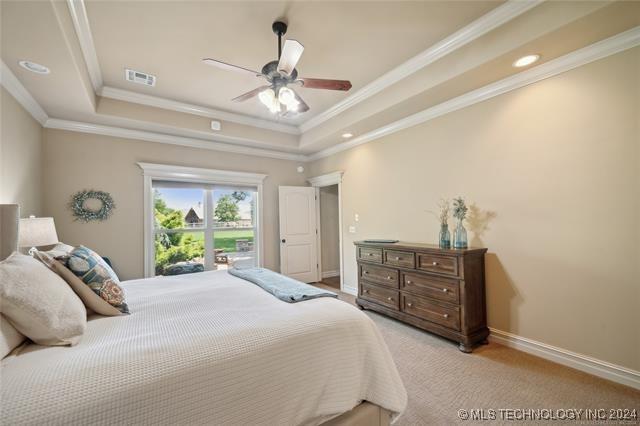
<point x="445" y="236"/>
<point x="460" y="236"/>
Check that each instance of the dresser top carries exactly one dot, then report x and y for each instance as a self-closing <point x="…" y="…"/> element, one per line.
<point x="404" y="245"/>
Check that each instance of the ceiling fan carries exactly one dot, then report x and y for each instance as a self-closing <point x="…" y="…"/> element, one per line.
<point x="279" y="74"/>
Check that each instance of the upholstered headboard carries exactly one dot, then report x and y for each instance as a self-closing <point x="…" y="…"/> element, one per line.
<point x="9" y="220"/>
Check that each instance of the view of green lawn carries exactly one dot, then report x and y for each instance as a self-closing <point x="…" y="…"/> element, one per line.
<point x="172" y="248"/>
<point x="226" y="240"/>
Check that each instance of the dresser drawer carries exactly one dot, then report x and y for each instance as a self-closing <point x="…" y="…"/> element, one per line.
<point x="384" y="276"/>
<point x="382" y="295"/>
<point x="437" y="288"/>
<point x="404" y="259"/>
<point x="448" y="316"/>
<point x="370" y="254"/>
<point x="441" y="264"/>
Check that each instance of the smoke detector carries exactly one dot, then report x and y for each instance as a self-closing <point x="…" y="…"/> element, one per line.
<point x="139" y="77"/>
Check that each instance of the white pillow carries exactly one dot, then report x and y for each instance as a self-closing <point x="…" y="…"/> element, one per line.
<point x="59" y="250"/>
<point x="10" y="338"/>
<point x="39" y="303"/>
<point x="91" y="300"/>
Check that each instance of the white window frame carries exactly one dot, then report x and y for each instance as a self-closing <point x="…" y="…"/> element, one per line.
<point x="151" y="172"/>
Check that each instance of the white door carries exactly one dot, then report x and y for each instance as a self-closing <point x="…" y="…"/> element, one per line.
<point x="298" y="233"/>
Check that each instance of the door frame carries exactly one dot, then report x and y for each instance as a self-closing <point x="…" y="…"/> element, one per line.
<point x="318" y="182"/>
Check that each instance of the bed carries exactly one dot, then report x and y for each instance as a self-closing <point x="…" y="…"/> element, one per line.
<point x="209" y="348"/>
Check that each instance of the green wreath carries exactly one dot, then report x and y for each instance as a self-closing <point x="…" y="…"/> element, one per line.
<point x="87" y="215"/>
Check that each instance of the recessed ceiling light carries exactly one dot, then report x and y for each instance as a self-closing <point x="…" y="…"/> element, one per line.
<point x="33" y="67"/>
<point x="347" y="135"/>
<point x="526" y="60"/>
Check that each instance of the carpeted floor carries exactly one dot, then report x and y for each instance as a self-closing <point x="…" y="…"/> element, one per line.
<point x="441" y="380"/>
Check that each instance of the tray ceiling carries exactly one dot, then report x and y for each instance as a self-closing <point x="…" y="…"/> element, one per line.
<point x="358" y="41"/>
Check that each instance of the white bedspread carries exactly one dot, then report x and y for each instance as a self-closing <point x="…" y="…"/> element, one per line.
<point x="206" y="348"/>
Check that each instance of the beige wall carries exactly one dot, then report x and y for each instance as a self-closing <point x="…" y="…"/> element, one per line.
<point x="20" y="157"/>
<point x="552" y="172"/>
<point x="76" y="161"/>
<point x="329" y="228"/>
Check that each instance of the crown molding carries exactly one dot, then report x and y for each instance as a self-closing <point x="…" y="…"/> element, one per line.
<point x="146" y="126"/>
<point x="593" y="52"/>
<point x="498" y="16"/>
<point x="596" y="51"/>
<point x="596" y="367"/>
<point x="222" y="143"/>
<point x="326" y="180"/>
<point x="10" y="82"/>
<point x="168" y="104"/>
<point x="493" y="19"/>
<point x="83" y="30"/>
<point x="120" y="132"/>
<point x="80" y="20"/>
<point x="165" y="171"/>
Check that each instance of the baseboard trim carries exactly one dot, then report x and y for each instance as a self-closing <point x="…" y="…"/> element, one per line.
<point x="350" y="290"/>
<point x="330" y="274"/>
<point x="596" y="367"/>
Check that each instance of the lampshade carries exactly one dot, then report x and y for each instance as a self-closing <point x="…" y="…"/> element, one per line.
<point x="9" y="214"/>
<point x="37" y="231"/>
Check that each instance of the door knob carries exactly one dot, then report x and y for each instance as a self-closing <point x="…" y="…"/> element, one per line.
<point x="284" y="241"/>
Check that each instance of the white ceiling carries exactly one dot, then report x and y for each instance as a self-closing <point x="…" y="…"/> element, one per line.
<point x="453" y="48"/>
<point x="357" y="41"/>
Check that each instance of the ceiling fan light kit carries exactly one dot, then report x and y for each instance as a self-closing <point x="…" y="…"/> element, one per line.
<point x="276" y="95"/>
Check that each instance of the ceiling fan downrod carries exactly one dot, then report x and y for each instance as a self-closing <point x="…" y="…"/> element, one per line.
<point x="279" y="28"/>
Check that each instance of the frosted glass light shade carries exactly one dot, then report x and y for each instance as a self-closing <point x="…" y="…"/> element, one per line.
<point x="37" y="231"/>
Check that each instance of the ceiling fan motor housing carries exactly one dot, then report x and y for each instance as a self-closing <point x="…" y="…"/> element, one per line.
<point x="270" y="71"/>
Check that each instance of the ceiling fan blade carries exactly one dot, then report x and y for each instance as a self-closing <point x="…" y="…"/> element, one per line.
<point x="250" y="94"/>
<point x="321" y="83"/>
<point x="290" y="56"/>
<point x="302" y="107"/>
<point x="229" y="67"/>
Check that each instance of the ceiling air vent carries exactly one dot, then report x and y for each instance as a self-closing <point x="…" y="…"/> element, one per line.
<point x="140" y="77"/>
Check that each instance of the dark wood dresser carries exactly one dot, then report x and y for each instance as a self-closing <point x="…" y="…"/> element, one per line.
<point x="438" y="290"/>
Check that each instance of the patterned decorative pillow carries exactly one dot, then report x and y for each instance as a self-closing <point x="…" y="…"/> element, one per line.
<point x="94" y="272"/>
<point x="91" y="300"/>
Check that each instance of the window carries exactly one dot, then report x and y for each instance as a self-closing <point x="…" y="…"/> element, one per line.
<point x="200" y="219"/>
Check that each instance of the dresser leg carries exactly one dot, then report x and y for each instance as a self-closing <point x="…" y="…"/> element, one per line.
<point x="485" y="342"/>
<point x="465" y="348"/>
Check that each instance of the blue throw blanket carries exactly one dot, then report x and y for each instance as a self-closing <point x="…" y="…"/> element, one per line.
<point x="284" y="288"/>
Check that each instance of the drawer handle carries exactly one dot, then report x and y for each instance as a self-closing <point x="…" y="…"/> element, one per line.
<point x="369" y="254"/>
<point x="434" y="263"/>
<point x="445" y="315"/>
<point x="445" y="290"/>
<point x="365" y="291"/>
<point x="409" y="304"/>
<point x="365" y="272"/>
<point x="408" y="281"/>
<point x="390" y="299"/>
<point x="388" y="277"/>
<point x="396" y="258"/>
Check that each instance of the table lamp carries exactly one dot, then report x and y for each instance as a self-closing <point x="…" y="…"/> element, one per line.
<point x="9" y="214"/>
<point x="37" y="231"/>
